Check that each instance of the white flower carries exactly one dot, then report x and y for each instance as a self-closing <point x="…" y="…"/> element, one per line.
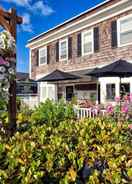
<point x="11" y="71"/>
<point x="7" y="42"/>
<point x="2" y="69"/>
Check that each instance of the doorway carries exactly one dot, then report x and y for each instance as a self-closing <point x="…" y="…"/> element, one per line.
<point x="69" y="93"/>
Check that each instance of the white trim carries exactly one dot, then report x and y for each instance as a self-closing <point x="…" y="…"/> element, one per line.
<point x="77" y="22"/>
<point x="30" y="65"/>
<point x="64" y="40"/>
<point x="79" y="29"/>
<point x="67" y="21"/>
<point x="41" y="49"/>
<point x="92" y="35"/>
<point x="118" y="30"/>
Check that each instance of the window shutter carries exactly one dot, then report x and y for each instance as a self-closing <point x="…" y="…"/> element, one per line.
<point x="48" y="54"/>
<point x="114" y="34"/>
<point x="96" y="39"/>
<point x="37" y="58"/>
<point x="57" y="51"/>
<point x="69" y="47"/>
<point x="79" y="45"/>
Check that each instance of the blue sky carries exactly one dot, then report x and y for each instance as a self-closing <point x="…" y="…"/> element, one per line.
<point x="39" y="16"/>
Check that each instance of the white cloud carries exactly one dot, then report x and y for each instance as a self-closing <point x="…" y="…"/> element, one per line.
<point x="43" y="8"/>
<point x="27" y="26"/>
<point x="37" y="7"/>
<point x="19" y="2"/>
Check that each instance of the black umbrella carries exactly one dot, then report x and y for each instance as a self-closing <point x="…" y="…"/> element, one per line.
<point x="58" y="75"/>
<point x="120" y="68"/>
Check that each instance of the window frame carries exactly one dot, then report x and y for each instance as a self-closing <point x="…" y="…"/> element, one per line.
<point x="110" y="99"/>
<point x="119" y="31"/>
<point x="41" y="49"/>
<point x="61" y="41"/>
<point x="92" y="35"/>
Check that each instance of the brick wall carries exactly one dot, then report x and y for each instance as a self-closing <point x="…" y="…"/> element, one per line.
<point x="104" y="56"/>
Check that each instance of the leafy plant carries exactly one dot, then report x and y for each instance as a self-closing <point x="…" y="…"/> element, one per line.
<point x="52" y="113"/>
<point x="92" y="151"/>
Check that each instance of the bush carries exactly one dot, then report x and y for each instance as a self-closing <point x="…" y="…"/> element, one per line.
<point x="91" y="151"/>
<point x="52" y="113"/>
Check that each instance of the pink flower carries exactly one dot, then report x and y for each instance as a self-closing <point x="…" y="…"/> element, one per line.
<point x="124" y="108"/>
<point x="117" y="99"/>
<point x="130" y="97"/>
<point x="127" y="98"/>
<point x="110" y="109"/>
<point x="2" y="61"/>
<point x="130" y="126"/>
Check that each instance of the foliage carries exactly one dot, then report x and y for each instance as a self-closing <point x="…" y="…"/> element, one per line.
<point x="52" y="112"/>
<point x="7" y="63"/>
<point x="91" y="151"/>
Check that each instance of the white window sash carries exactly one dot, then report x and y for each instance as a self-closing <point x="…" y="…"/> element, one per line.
<point x="119" y="32"/>
<point x="44" y="50"/>
<point x="92" y="42"/>
<point x="60" y="54"/>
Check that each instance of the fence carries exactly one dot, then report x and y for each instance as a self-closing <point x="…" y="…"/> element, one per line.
<point x="88" y="112"/>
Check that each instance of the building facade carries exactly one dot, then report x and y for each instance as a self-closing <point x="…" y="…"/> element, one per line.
<point x="95" y="38"/>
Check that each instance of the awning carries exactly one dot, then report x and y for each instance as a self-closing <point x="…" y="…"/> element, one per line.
<point x="58" y="75"/>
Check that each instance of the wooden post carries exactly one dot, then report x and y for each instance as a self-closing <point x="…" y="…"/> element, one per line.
<point x="12" y="91"/>
<point x="9" y="21"/>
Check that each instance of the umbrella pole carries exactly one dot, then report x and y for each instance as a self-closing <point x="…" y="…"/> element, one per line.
<point x="120" y="92"/>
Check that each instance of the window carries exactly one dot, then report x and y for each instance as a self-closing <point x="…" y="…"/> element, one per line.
<point x="110" y="91"/>
<point x="87" y="42"/>
<point x="43" y="56"/>
<point x="125" y="31"/>
<point x="63" y="49"/>
<point x="124" y="89"/>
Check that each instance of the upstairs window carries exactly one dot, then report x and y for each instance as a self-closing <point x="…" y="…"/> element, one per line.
<point x="125" y="31"/>
<point x="63" y="50"/>
<point x="43" y="56"/>
<point x="87" y="42"/>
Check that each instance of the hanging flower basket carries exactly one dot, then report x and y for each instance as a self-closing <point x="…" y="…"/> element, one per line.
<point x="7" y="66"/>
<point x="7" y="45"/>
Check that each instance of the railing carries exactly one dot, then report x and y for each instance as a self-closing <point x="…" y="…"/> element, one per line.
<point x="88" y="112"/>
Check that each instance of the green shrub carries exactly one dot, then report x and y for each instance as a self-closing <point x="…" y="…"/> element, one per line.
<point x="52" y="113"/>
<point x="91" y="151"/>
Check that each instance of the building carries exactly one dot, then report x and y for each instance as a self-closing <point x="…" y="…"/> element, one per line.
<point x="26" y="89"/>
<point x="95" y="38"/>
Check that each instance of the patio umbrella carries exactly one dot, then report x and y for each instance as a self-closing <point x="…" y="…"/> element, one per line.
<point x="58" y="75"/>
<point x="120" y="68"/>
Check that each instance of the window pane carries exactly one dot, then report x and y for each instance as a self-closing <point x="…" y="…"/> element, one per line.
<point x="110" y="91"/>
<point x="63" y="50"/>
<point x="124" y="89"/>
<point x="87" y="42"/>
<point x="126" y="37"/>
<point x="87" y="37"/>
<point x="43" y="56"/>
<point x="126" y="25"/>
<point x="88" y="47"/>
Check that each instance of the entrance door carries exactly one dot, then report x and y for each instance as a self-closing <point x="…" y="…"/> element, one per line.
<point x="69" y="93"/>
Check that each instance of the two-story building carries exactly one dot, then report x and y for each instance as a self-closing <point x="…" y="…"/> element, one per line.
<point x="95" y="38"/>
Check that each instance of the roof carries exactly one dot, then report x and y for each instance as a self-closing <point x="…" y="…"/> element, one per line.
<point x="58" y="75"/>
<point x="69" y="20"/>
<point x="22" y="76"/>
